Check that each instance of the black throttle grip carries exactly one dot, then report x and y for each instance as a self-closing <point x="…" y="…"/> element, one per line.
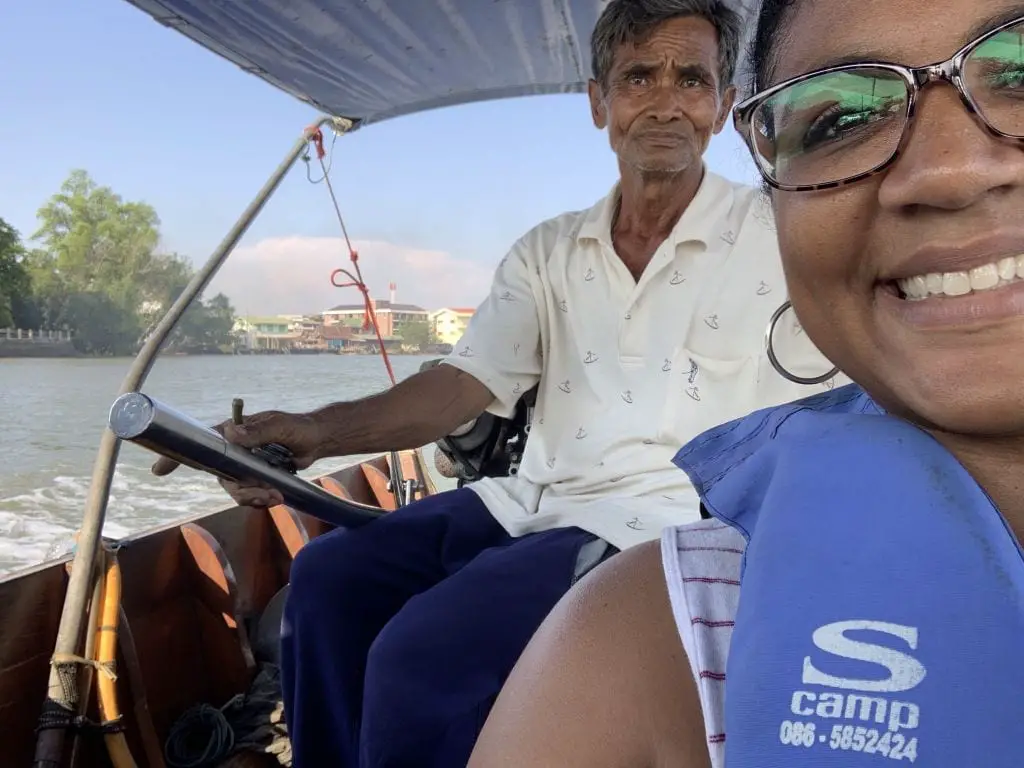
<point x="277" y="456"/>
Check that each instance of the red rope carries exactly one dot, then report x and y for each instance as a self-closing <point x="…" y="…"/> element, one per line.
<point x="370" y="317"/>
<point x="316" y="137"/>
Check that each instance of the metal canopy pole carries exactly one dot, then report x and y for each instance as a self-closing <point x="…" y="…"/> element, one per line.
<point x="62" y="692"/>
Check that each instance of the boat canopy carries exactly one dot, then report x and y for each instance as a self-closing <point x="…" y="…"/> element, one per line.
<point x="369" y="60"/>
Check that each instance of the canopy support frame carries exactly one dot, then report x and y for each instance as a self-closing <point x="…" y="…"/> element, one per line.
<point x="63" y="682"/>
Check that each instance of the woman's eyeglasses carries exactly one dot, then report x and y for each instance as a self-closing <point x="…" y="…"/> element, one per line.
<point x="841" y="124"/>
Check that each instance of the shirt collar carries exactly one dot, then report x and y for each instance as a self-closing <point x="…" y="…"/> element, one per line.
<point x="700" y="222"/>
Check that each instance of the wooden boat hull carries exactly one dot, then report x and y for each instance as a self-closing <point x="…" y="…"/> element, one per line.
<point x="192" y="592"/>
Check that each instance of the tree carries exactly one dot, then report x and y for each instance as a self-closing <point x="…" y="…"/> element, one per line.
<point x="219" y="320"/>
<point x="102" y="327"/>
<point x="98" y="242"/>
<point x="206" y="326"/>
<point x="417" y="333"/>
<point x="97" y="269"/>
<point x="17" y="308"/>
<point x="99" y="273"/>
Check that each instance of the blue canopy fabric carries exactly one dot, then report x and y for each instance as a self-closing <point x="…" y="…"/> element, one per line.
<point x="370" y="60"/>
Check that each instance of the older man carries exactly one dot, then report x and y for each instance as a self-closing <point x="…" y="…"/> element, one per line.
<point x="642" y="320"/>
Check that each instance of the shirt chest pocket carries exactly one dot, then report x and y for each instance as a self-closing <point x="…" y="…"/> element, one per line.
<point x="704" y="391"/>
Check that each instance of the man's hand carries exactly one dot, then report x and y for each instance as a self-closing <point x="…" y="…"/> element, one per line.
<point x="419" y="410"/>
<point x="297" y="432"/>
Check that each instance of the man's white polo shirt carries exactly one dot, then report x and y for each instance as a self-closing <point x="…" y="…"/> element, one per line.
<point x="630" y="370"/>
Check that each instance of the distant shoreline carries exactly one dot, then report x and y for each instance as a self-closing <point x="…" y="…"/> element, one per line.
<point x="23" y="348"/>
<point x="32" y="348"/>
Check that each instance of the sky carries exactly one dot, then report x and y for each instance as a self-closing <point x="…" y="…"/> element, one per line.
<point x="433" y="200"/>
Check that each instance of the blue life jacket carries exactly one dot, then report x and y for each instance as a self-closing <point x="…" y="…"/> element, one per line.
<point x="881" y="617"/>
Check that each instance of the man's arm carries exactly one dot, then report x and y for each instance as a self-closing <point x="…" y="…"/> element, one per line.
<point x="496" y="361"/>
<point x="494" y="364"/>
<point x="418" y="410"/>
<point x="604" y="683"/>
<point x="501" y="347"/>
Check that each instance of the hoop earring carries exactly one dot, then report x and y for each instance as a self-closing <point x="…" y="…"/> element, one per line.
<point x="779" y="367"/>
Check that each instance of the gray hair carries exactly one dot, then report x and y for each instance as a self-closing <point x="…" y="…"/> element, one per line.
<point x="631" y="21"/>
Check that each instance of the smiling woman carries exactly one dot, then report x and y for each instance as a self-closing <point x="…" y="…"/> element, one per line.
<point x="873" y="532"/>
<point x="940" y="216"/>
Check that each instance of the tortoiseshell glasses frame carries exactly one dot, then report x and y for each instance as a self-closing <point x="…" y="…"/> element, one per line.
<point x="950" y="71"/>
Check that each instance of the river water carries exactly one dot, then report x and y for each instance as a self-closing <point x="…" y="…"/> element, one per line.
<point x="52" y="413"/>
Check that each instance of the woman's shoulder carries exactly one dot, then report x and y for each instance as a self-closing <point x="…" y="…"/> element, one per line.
<point x="604" y="682"/>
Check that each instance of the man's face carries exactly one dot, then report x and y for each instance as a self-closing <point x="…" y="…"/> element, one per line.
<point x="663" y="100"/>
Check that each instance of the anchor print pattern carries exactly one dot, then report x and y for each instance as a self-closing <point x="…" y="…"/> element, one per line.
<point x="622" y="347"/>
<point x="693" y="391"/>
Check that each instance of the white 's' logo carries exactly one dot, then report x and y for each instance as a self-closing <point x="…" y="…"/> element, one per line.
<point x="858" y="719"/>
<point x="905" y="672"/>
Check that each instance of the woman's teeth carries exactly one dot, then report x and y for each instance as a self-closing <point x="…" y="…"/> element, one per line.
<point x="994" y="275"/>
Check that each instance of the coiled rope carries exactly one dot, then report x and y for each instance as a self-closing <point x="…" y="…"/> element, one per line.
<point x="204" y="736"/>
<point x="201" y="737"/>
